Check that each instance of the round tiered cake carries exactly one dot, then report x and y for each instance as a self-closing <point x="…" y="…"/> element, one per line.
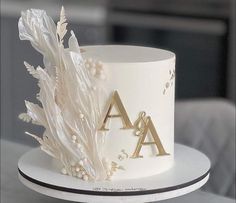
<point x="108" y="111"/>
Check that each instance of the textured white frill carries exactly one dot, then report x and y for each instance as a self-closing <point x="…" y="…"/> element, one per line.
<point x="69" y="108"/>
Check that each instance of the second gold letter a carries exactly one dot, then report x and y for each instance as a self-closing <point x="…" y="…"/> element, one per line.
<point x="116" y="102"/>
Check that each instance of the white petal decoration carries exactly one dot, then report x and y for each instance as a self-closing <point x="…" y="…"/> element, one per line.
<point x="67" y="91"/>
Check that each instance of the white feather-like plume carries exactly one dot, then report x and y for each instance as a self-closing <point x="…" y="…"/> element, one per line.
<point x="69" y="109"/>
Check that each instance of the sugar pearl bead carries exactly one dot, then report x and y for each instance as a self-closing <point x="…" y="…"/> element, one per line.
<point x="77" y="169"/>
<point x="63" y="171"/>
<point x="99" y="63"/>
<point x="137" y="132"/>
<point x="81" y="162"/>
<point x="93" y="71"/>
<point x="73" y="137"/>
<point x="83" y="173"/>
<point x="106" y="161"/>
<point x="79" y="146"/>
<point x="42" y="148"/>
<point x="120" y="157"/>
<point x="87" y="65"/>
<point x="85" y="177"/>
<point x="81" y="116"/>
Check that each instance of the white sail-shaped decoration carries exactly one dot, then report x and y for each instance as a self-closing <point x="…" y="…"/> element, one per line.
<point x="69" y="108"/>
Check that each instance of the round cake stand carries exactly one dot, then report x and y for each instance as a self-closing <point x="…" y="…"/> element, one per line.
<point x="191" y="170"/>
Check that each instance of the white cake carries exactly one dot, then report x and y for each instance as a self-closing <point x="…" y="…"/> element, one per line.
<point x="140" y="75"/>
<point x="108" y="111"/>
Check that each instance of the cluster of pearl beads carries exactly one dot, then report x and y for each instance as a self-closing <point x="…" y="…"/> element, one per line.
<point x="77" y="171"/>
<point x="95" y="68"/>
<point x="76" y="142"/>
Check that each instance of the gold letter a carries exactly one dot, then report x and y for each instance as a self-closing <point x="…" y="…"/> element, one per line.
<point x="115" y="101"/>
<point x="156" y="140"/>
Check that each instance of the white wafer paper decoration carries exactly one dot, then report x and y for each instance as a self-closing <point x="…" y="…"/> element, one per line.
<point x="69" y="108"/>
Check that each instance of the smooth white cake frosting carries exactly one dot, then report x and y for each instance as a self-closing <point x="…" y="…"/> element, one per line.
<point x="107" y="113"/>
<point x="143" y="77"/>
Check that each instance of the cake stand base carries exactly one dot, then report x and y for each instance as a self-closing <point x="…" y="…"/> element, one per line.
<point x="190" y="171"/>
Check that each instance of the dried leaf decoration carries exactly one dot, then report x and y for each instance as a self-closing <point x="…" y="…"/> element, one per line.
<point x="31" y="70"/>
<point x="25" y="117"/>
<point x="61" y="25"/>
<point x="70" y="107"/>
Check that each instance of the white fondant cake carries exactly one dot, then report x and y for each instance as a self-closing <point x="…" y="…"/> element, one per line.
<point x="108" y="111"/>
<point x="144" y="79"/>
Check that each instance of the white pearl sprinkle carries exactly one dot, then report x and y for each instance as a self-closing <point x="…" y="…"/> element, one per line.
<point x="93" y="71"/>
<point x="77" y="169"/>
<point x="87" y="65"/>
<point x="81" y="116"/>
<point x="106" y="161"/>
<point x="137" y="132"/>
<point x="74" y="137"/>
<point x="79" y="146"/>
<point x="99" y="63"/>
<point x="83" y="173"/>
<point x="85" y="177"/>
<point x="81" y="162"/>
<point x="63" y="171"/>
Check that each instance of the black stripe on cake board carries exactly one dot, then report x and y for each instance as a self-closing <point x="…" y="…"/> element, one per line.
<point x="100" y="193"/>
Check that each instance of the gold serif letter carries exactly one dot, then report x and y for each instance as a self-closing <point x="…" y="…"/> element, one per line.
<point x="115" y="101"/>
<point x="149" y="126"/>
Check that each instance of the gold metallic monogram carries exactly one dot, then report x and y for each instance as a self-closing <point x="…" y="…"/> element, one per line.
<point x="115" y="101"/>
<point x="143" y="125"/>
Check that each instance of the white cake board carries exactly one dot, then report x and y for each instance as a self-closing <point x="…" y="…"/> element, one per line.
<point x="190" y="171"/>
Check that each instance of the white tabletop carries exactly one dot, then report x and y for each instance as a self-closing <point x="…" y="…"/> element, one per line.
<point x="13" y="191"/>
